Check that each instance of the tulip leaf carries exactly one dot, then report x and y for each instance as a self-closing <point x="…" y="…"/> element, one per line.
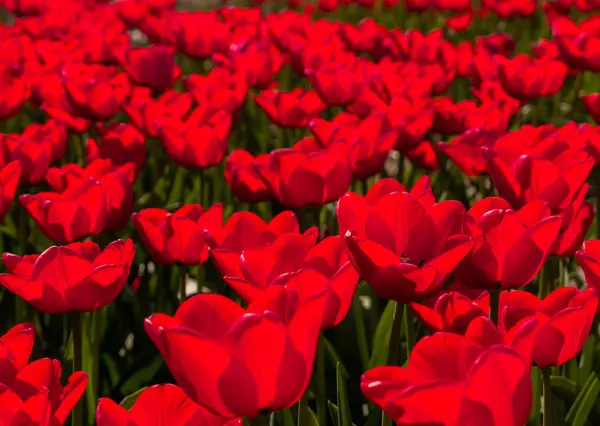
<point x="335" y="358"/>
<point x="583" y="405"/>
<point x="344" y="418"/>
<point x="381" y="340"/>
<point x="143" y="375"/>
<point x="177" y="188"/>
<point x="333" y="412"/>
<point x="284" y="417"/>
<point x="129" y="400"/>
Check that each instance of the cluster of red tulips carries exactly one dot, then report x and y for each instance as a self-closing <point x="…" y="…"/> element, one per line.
<point x="388" y="216"/>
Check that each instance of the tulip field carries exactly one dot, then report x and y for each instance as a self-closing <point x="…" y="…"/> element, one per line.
<point x="299" y="213"/>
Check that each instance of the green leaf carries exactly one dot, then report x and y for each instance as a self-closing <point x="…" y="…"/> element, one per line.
<point x="333" y="412"/>
<point x="143" y="375"/>
<point x="284" y="417"/>
<point x="381" y="340"/>
<point x="344" y="418"/>
<point x="177" y="188"/>
<point x="334" y="357"/>
<point x="580" y="411"/>
<point x="129" y="400"/>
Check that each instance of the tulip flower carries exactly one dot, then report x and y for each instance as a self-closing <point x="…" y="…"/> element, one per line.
<point x="121" y="143"/>
<point x="14" y="92"/>
<point x="201" y="34"/>
<point x="145" y="112"/>
<point x="35" y="149"/>
<point x="152" y="66"/>
<point x="589" y="260"/>
<point x="307" y="175"/>
<point x="592" y="105"/>
<point x="220" y="89"/>
<point x="9" y="180"/>
<point x="472" y="384"/>
<point x="243" y="179"/>
<point x="290" y="109"/>
<point x="565" y="318"/>
<point x="115" y="181"/>
<point x="339" y="81"/>
<point x="198" y="141"/>
<point x="80" y="211"/>
<point x="409" y="121"/>
<point x="510" y="247"/>
<point x="177" y="237"/>
<point x="210" y="348"/>
<point x="525" y="78"/>
<point x="159" y="405"/>
<point x="293" y="261"/>
<point x="16" y="345"/>
<point x="75" y="277"/>
<point x="465" y="150"/>
<point x="245" y="230"/>
<point x="380" y="229"/>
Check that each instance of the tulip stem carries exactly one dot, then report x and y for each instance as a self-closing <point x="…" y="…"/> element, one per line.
<point x="548" y="417"/>
<point x="361" y="332"/>
<point x="394" y="351"/>
<point x="494" y="305"/>
<point x="182" y="283"/>
<point x="321" y="383"/>
<point x="77" y="329"/>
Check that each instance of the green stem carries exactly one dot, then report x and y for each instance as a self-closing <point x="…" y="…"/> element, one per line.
<point x="401" y="160"/>
<point x="410" y="330"/>
<point x="321" y="383"/>
<point x="182" y="283"/>
<point x="548" y="418"/>
<point x="77" y="329"/>
<point x="494" y="305"/>
<point x="396" y="336"/>
<point x="361" y="331"/>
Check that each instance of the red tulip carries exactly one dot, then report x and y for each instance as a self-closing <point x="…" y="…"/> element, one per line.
<point x="509" y="8"/>
<point x="115" y="181"/>
<point x="452" y="312"/>
<point x="465" y="150"/>
<point x="198" y="141"/>
<point x="78" y="212"/>
<point x="368" y="144"/>
<point x="307" y="175"/>
<point x="245" y="231"/>
<point x="201" y="34"/>
<point x="293" y="261"/>
<point x="581" y="51"/>
<point x="340" y="80"/>
<point x="121" y="143"/>
<point x="210" y="348"/>
<point x="9" y="180"/>
<point x="159" y="405"/>
<point x="35" y="396"/>
<point x="14" y="92"/>
<point x="565" y="318"/>
<point x="220" y="89"/>
<point x="577" y="220"/>
<point x="558" y="178"/>
<point x="145" y="112"/>
<point x="290" y="109"/>
<point x="592" y="105"/>
<point x="379" y="232"/>
<point x="77" y="277"/>
<point x="589" y="260"/>
<point x="243" y="179"/>
<point x="471" y="384"/>
<point x="35" y="149"/>
<point x="177" y="237"/>
<point x="510" y="247"/>
<point x="525" y="78"/>
<point x="152" y="66"/>
<point x="15" y="349"/>
<point x="410" y="121"/>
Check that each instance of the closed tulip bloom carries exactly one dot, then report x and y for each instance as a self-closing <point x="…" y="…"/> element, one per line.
<point x="290" y="109"/>
<point x="15" y="349"/>
<point x="565" y="318"/>
<point x="121" y="143"/>
<point x="153" y="66"/>
<point x="340" y="80"/>
<point x="380" y="231"/>
<point x="198" y="141"/>
<point x="220" y="89"/>
<point x="159" y="405"/>
<point x="14" y="92"/>
<point x="75" y="277"/>
<point x="243" y="179"/>
<point x="177" y="237"/>
<point x="9" y="180"/>
<point x="308" y="175"/>
<point x="470" y="382"/>
<point x="80" y="211"/>
<point x="201" y="34"/>
<point x="510" y="247"/>
<point x="525" y="78"/>
<point x="210" y="348"/>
